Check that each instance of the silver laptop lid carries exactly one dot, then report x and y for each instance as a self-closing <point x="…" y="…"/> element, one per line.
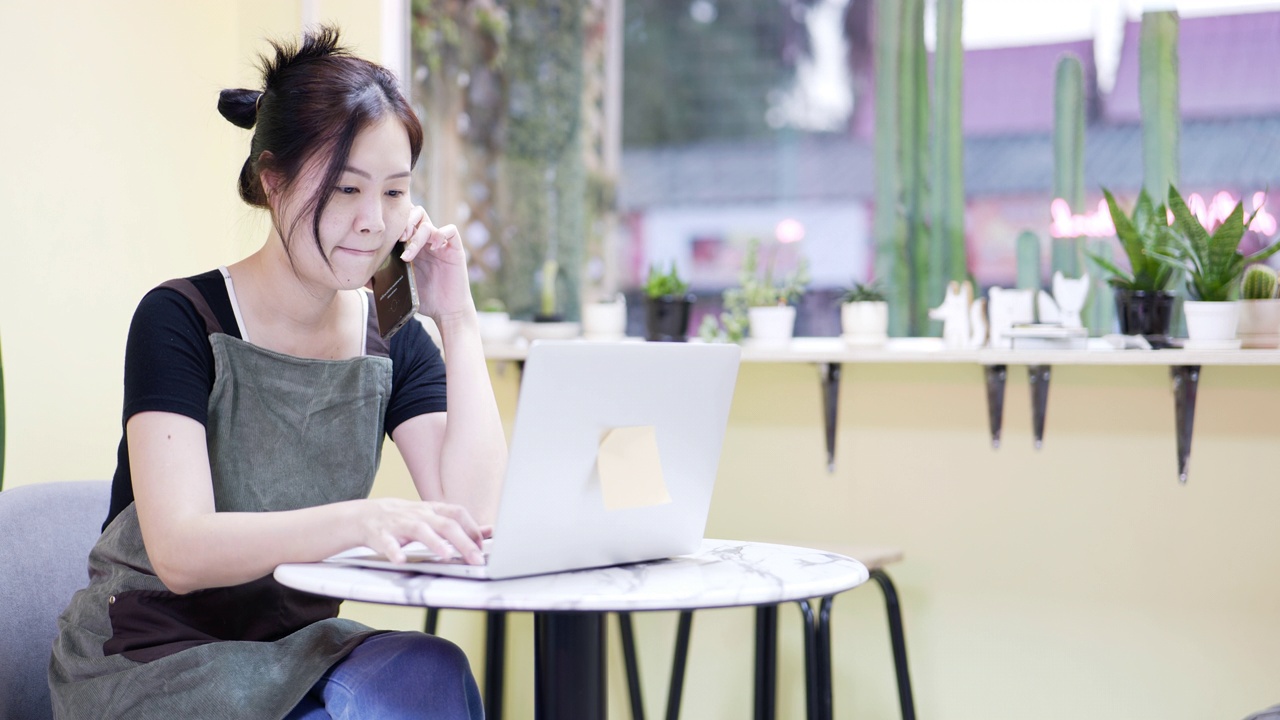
<point x="553" y="514"/>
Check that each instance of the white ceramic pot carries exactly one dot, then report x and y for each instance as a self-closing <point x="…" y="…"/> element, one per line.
<point x="496" y="327"/>
<point x="1212" y="325"/>
<point x="1260" y="323"/>
<point x="865" y="323"/>
<point x="772" y="325"/>
<point x="604" y="321"/>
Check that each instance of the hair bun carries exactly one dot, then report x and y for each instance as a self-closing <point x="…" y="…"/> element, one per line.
<point x="240" y="106"/>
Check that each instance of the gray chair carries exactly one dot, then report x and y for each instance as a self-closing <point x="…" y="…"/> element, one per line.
<point x="46" y="532"/>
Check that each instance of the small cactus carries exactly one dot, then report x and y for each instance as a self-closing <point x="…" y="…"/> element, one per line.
<point x="1259" y="283"/>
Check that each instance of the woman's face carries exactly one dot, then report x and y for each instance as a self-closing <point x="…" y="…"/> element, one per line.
<point x="366" y="214"/>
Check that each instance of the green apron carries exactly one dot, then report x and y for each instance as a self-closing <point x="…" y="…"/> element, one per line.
<point x="283" y="433"/>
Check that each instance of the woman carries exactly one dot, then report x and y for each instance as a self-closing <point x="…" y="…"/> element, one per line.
<point x="256" y="398"/>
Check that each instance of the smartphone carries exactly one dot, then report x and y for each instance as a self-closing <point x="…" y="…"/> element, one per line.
<point x="395" y="293"/>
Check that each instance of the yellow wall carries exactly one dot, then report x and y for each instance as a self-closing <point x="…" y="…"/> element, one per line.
<point x="1078" y="581"/>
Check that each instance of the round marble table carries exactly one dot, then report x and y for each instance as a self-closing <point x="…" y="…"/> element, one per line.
<point x="570" y="606"/>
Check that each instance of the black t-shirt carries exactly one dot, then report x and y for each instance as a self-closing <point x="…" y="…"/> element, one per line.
<point x="168" y="366"/>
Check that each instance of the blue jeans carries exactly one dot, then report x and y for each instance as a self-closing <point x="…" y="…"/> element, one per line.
<point x="396" y="675"/>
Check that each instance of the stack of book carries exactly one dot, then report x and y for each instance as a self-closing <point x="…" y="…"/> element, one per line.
<point x="1045" y="336"/>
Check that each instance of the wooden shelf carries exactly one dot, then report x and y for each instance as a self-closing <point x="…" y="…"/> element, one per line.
<point x="830" y="354"/>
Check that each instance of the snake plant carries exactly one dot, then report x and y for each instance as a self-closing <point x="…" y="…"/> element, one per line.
<point x="1213" y="263"/>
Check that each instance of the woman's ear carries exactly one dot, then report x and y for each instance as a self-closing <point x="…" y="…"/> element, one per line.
<point x="271" y="180"/>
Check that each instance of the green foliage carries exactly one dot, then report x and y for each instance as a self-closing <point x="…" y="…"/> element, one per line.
<point x="1259" y="283"/>
<point x="493" y="305"/>
<point x="1213" y="263"/>
<point x="660" y="284"/>
<point x="864" y="292"/>
<point x="1144" y="237"/>
<point x="756" y="288"/>
<point x="687" y="80"/>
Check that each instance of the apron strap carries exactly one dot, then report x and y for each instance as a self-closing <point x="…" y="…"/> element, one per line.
<point x="373" y="342"/>
<point x="186" y="289"/>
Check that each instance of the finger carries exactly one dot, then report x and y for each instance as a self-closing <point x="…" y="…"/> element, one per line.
<point x="427" y="535"/>
<point x="389" y="548"/>
<point x="450" y="530"/>
<point x="416" y="215"/>
<point x="486" y="531"/>
<point x="443" y="237"/>
<point x="416" y="232"/>
<point x="461" y="516"/>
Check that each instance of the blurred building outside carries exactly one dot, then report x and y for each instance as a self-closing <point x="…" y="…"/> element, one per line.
<point x="812" y="192"/>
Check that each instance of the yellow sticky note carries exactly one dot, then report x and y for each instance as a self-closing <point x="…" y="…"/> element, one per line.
<point x="631" y="469"/>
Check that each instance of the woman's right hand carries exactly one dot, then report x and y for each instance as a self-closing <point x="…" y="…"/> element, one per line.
<point x="388" y="524"/>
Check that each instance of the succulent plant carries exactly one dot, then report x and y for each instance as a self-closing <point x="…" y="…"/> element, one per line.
<point x="660" y="284"/>
<point x="1259" y="283"/>
<point x="863" y="292"/>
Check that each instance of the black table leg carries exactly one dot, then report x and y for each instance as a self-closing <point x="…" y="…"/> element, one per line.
<point x="896" y="636"/>
<point x="766" y="662"/>
<point x="494" y="661"/>
<point x="633" y="669"/>
<point x="676" y="689"/>
<point x="569" y="671"/>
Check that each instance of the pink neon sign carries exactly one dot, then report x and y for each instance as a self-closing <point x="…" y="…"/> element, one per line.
<point x="1210" y="214"/>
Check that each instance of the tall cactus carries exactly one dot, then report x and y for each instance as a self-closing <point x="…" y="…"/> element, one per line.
<point x="1099" y="312"/>
<point x="1028" y="261"/>
<point x="1158" y="89"/>
<point x="950" y="261"/>
<point x="892" y="260"/>
<point x="1068" y="156"/>
<point x="902" y="137"/>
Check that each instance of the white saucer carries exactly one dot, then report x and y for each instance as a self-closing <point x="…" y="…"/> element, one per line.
<point x="1232" y="344"/>
<point x="864" y="340"/>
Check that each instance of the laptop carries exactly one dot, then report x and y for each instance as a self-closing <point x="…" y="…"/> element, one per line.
<point x="612" y="460"/>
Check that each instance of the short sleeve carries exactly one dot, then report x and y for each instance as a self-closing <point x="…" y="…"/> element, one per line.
<point x="168" y="364"/>
<point x="417" y="376"/>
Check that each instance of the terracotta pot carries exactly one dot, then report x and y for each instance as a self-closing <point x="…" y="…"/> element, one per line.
<point x="1260" y="323"/>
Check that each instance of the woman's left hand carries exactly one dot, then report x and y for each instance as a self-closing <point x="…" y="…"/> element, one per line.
<point x="440" y="267"/>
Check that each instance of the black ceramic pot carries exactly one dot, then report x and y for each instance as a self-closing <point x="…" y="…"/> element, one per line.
<point x="1147" y="313"/>
<point x="666" y="319"/>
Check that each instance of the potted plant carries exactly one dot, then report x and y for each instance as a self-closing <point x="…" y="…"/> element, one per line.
<point x="667" y="305"/>
<point x="864" y="315"/>
<point x="759" y="304"/>
<point x="1213" y="266"/>
<point x="548" y="320"/>
<point x="1144" y="303"/>
<point x="495" y="324"/>
<point x="1259" y="308"/>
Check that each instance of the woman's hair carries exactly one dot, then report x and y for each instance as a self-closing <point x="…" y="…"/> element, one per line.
<point x="316" y="97"/>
